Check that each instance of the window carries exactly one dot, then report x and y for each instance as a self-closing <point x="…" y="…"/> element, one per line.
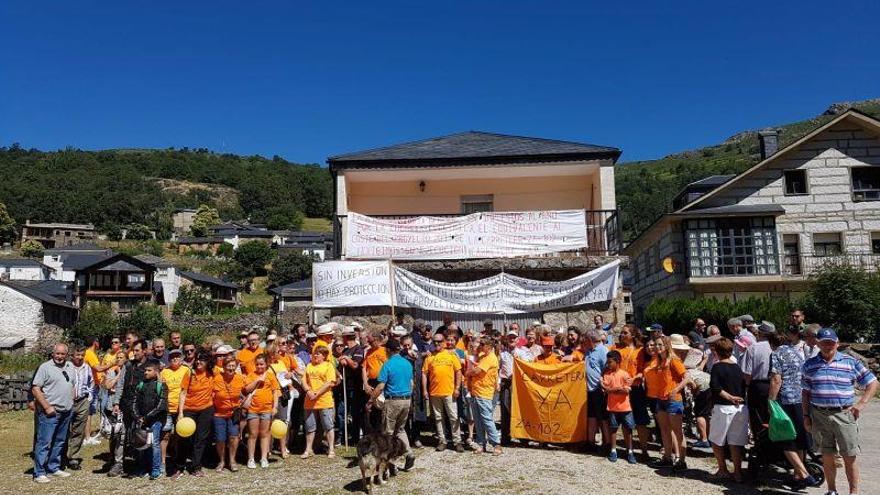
<point x="795" y="182"/>
<point x="826" y="244"/>
<point x="875" y="242"/>
<point x="732" y="246"/>
<point x="792" y="258"/>
<point x="866" y="183"/>
<point x="476" y="203"/>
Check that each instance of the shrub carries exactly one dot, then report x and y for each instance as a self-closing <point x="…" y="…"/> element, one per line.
<point x="95" y="320"/>
<point x="291" y="267"/>
<point x="226" y="250"/>
<point x="31" y="249"/>
<point x="193" y="301"/>
<point x="847" y="299"/>
<point x="138" y="232"/>
<point x="147" y="320"/>
<point x="677" y="314"/>
<point x="254" y="256"/>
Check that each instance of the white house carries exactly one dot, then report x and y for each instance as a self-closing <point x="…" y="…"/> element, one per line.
<point x="23" y="269"/>
<point x="25" y="309"/>
<point x="167" y="275"/>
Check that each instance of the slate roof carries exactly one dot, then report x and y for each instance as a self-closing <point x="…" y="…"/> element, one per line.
<point x="712" y="180"/>
<point x="732" y="210"/>
<point x="207" y="279"/>
<point x="21" y="263"/>
<point x="199" y="240"/>
<point x="474" y="147"/>
<point x="154" y="260"/>
<point x="38" y="295"/>
<point x="56" y="288"/>
<point x="76" y="262"/>
<point x="85" y="246"/>
<point x="301" y="288"/>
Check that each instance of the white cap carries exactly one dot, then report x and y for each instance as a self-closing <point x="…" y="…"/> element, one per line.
<point x="400" y="331"/>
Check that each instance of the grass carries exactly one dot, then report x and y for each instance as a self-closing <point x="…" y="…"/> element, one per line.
<point x="257" y="297"/>
<point x="317" y="225"/>
<point x="16" y="362"/>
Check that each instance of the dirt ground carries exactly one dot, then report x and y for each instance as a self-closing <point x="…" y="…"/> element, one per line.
<point x="517" y="470"/>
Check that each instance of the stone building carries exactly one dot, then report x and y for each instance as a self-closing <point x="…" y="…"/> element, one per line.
<point x="26" y="308"/>
<point x="56" y="235"/>
<point x="764" y="231"/>
<point x="23" y="269"/>
<point x="472" y="172"/>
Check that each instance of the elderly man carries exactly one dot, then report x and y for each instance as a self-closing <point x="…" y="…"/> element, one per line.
<point x="159" y="353"/>
<point x="505" y="374"/>
<point x="530" y="349"/>
<point x="52" y="388"/>
<point x="595" y="356"/>
<point x="83" y="391"/>
<point x="698" y="334"/>
<point x="810" y="347"/>
<point x="742" y="338"/>
<point x="755" y="366"/>
<point x="831" y="411"/>
<point x="395" y="382"/>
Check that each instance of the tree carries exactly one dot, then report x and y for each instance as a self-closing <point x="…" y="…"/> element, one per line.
<point x="226" y="250"/>
<point x="254" y="256"/>
<point x="95" y="320"/>
<point x="138" y="232"/>
<point x="283" y="217"/>
<point x="7" y="226"/>
<point x="147" y="320"/>
<point x="193" y="301"/>
<point x="205" y="217"/>
<point x="291" y="267"/>
<point x="31" y="249"/>
<point x="114" y="231"/>
<point x="846" y="299"/>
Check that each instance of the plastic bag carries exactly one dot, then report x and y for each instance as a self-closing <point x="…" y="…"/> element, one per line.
<point x="781" y="426"/>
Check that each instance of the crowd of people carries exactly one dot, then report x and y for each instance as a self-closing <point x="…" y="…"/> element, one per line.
<point x="406" y="380"/>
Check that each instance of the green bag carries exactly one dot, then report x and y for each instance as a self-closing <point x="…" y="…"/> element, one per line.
<point x="781" y="426"/>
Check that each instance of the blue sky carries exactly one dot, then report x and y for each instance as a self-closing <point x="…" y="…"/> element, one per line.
<point x="309" y="80"/>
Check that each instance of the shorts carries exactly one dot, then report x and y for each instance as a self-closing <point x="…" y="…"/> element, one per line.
<point x="224" y="429"/>
<point x="795" y="412"/>
<point x="729" y="425"/>
<point x="674" y="407"/>
<point x="703" y="404"/>
<point x="312" y="419"/>
<point x="170" y="422"/>
<point x="261" y="416"/>
<point x="639" y="402"/>
<point x="618" y="419"/>
<point x="835" y="432"/>
<point x="597" y="404"/>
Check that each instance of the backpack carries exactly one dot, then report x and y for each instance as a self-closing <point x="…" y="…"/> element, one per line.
<point x="140" y="386"/>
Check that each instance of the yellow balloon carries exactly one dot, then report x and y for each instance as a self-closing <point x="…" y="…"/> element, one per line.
<point x="279" y="429"/>
<point x="186" y="427"/>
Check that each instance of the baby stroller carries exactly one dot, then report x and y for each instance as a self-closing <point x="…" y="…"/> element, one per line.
<point x="765" y="453"/>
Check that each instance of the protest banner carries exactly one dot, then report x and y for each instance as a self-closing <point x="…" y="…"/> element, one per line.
<point x="505" y="293"/>
<point x="339" y="284"/>
<point x="549" y="402"/>
<point x="478" y="235"/>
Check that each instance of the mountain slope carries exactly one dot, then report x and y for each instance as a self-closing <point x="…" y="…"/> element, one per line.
<point x="645" y="189"/>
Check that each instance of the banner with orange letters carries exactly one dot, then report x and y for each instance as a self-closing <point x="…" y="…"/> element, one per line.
<point x="549" y="402"/>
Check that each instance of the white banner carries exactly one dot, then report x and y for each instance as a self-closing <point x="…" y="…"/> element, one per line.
<point x="368" y="283"/>
<point x="479" y="235"/>
<point x="340" y="284"/>
<point x="505" y="293"/>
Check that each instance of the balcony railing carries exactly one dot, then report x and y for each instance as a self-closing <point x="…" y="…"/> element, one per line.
<point x="603" y="231"/>
<point x="804" y="265"/>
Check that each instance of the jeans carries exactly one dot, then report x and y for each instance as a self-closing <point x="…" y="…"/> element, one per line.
<point x="153" y="455"/>
<point x="51" y="441"/>
<point x="484" y="424"/>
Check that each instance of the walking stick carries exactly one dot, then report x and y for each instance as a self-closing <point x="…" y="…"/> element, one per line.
<point x="345" y="407"/>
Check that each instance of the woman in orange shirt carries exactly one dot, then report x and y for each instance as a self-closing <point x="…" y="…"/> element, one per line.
<point x="196" y="398"/>
<point x="664" y="380"/>
<point x="632" y="360"/>
<point x="227" y="400"/>
<point x="263" y="390"/>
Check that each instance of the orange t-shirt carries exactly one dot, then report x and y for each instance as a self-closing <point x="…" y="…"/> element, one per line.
<point x="246" y="358"/>
<point x="553" y="358"/>
<point x="441" y="369"/>
<point x="577" y="356"/>
<point x="629" y="359"/>
<point x="617" y="401"/>
<point x="660" y="381"/>
<point x="374" y="360"/>
<point x="199" y="389"/>
<point x="483" y="385"/>
<point x="227" y="394"/>
<point x="264" y="396"/>
<point x="289" y="362"/>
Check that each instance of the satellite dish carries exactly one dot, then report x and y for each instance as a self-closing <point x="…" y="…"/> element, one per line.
<point x="668" y="265"/>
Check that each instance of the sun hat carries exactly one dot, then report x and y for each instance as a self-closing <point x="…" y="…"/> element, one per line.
<point x="678" y="343"/>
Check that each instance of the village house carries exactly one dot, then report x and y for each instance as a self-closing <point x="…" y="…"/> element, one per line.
<point x="23" y="269"/>
<point x="166" y="281"/>
<point x="223" y="294"/>
<point x="473" y="172"/>
<point x="26" y="308"/>
<point x="120" y="280"/>
<point x="765" y="231"/>
<point x="55" y="235"/>
<point x="187" y="244"/>
<point x="292" y="295"/>
<point x="182" y="220"/>
<point x="316" y="244"/>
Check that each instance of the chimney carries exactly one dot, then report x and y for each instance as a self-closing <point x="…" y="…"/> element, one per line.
<point x="769" y="139"/>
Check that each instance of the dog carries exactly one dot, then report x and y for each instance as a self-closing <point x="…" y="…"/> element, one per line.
<point x="376" y="455"/>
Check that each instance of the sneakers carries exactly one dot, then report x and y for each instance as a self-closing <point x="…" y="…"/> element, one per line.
<point x="264" y="463"/>
<point x="831" y="492"/>
<point x="440" y="447"/>
<point x="613" y="455"/>
<point x="702" y="444"/>
<point x="631" y="458"/>
<point x="459" y="448"/>
<point x="810" y="481"/>
<point x="681" y="465"/>
<point x="418" y="444"/>
<point x="661" y="463"/>
<point x="115" y="470"/>
<point x="251" y="464"/>
<point x="73" y="465"/>
<point x="60" y="474"/>
<point x="410" y="462"/>
<point x="42" y="479"/>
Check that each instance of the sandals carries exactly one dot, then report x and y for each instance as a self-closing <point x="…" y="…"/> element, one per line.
<point x="331" y="454"/>
<point x="306" y="455"/>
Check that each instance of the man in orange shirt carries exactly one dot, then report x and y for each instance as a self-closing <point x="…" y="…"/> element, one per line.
<point x="374" y="358"/>
<point x="441" y="382"/>
<point x="247" y="355"/>
<point x="547" y="355"/>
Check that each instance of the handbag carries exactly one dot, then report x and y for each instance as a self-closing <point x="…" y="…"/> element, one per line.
<point x="781" y="427"/>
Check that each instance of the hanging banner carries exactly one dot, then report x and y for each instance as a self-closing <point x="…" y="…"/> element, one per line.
<point x="338" y="284"/>
<point x="549" y="402"/>
<point x="479" y="235"/>
<point x="505" y="293"/>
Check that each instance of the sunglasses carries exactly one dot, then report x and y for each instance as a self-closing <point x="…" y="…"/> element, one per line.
<point x="115" y="342"/>
<point x="189" y="351"/>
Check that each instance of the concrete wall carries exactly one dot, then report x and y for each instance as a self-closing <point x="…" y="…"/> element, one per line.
<point x="170" y="283"/>
<point x="22" y="273"/>
<point x="20" y="316"/>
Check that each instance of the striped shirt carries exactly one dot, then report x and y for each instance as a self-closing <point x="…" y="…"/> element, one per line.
<point x="832" y="384"/>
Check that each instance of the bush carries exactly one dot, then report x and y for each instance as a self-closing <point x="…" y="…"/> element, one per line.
<point x="677" y="315"/>
<point x="147" y="320"/>
<point x="138" y="232"/>
<point x="95" y="320"/>
<point x="847" y="299"/>
<point x="191" y="334"/>
<point x="31" y="249"/>
<point x="193" y="301"/>
<point x="254" y="256"/>
<point x="154" y="247"/>
<point x="291" y="267"/>
<point x="226" y="250"/>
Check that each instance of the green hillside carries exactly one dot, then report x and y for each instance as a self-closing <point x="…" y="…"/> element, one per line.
<point x="144" y="186"/>
<point x="645" y="189"/>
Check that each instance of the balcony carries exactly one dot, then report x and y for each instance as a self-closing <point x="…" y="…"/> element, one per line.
<point x="806" y="265"/>
<point x="603" y="232"/>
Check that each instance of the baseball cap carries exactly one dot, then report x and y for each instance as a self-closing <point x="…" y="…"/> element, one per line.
<point x="243" y="333"/>
<point x="655" y="327"/>
<point x="223" y="349"/>
<point x="400" y="331"/>
<point x="172" y="352"/>
<point x="311" y="335"/>
<point x="547" y="340"/>
<point x="827" y="334"/>
<point x="348" y="331"/>
<point x="766" y="327"/>
<point x="513" y="332"/>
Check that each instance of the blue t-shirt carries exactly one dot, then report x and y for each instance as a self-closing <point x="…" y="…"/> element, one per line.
<point x="397" y="375"/>
<point x="595" y="361"/>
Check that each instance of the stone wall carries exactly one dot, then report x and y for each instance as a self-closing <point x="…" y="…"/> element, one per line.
<point x="649" y="278"/>
<point x="20" y="316"/>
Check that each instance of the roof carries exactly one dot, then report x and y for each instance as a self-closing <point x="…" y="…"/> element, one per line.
<point x="37" y="295"/>
<point x="119" y="262"/>
<point x="85" y="246"/>
<point x="301" y="245"/>
<point x="474" y="146"/>
<point x="733" y="210"/>
<point x="712" y="180"/>
<point x="154" y="260"/>
<point x="199" y="240"/>
<point x="55" y="288"/>
<point x="851" y="114"/>
<point x="207" y="279"/>
<point x="185" y="210"/>
<point x="79" y="261"/>
<point x="21" y="263"/>
<point x="78" y="226"/>
<point x="301" y="288"/>
<point x="11" y="342"/>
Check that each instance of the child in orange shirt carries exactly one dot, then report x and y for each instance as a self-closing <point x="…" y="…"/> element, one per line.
<point x="617" y="383"/>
